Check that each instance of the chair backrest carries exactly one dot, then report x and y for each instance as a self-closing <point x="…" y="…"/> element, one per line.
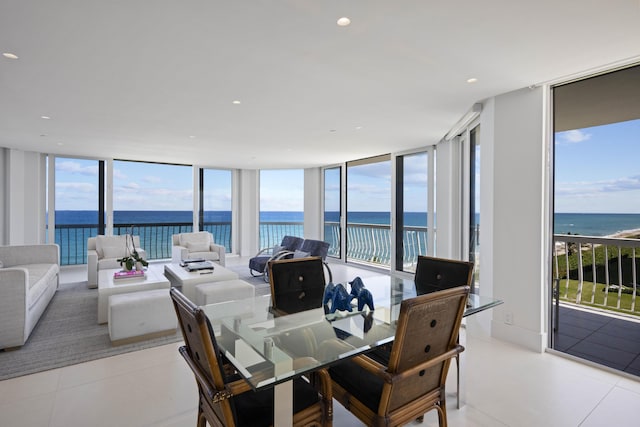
<point x="435" y="274"/>
<point x="315" y="248"/>
<point x="296" y="284"/>
<point x="291" y="243"/>
<point x="428" y="327"/>
<point x="196" y="236"/>
<point x="203" y="351"/>
<point x="106" y="245"/>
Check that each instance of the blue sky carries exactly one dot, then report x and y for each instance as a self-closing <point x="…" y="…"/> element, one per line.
<point x="138" y="186"/>
<point x="597" y="169"/>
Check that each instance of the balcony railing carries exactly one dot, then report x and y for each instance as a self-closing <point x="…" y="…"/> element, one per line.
<point x="154" y="238"/>
<point x="369" y="243"/>
<point x="598" y="271"/>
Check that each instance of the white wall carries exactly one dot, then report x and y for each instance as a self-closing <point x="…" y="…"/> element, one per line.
<point x="4" y="195"/>
<point x="448" y="200"/>
<point x="513" y="180"/>
<point x="25" y="190"/>
<point x="248" y="216"/>
<point x="312" y="197"/>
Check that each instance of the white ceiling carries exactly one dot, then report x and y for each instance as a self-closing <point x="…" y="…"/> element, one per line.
<point x="155" y="79"/>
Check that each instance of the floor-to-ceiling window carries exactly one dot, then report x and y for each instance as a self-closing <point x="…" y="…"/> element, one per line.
<point x="369" y="211"/>
<point x="413" y="204"/>
<point x="79" y="206"/>
<point x="154" y="201"/>
<point x="595" y="311"/>
<point x="281" y="205"/>
<point x="332" y="209"/>
<point x="216" y="205"/>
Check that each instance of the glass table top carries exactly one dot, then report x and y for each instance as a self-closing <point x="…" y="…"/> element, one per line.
<point x="268" y="349"/>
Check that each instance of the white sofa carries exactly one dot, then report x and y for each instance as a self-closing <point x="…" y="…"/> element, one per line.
<point x="103" y="253"/>
<point x="198" y="244"/>
<point x="29" y="277"/>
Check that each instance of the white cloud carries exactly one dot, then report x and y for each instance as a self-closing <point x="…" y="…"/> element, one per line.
<point x="573" y="136"/>
<point x="594" y="188"/>
<point x="152" y="179"/>
<point x="76" y="168"/>
<point x="118" y="174"/>
<point x="83" y="187"/>
<point x="130" y="186"/>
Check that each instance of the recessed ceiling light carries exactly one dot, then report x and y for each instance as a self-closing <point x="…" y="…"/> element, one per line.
<point x="192" y="136"/>
<point x="236" y="102"/>
<point x="10" y="55"/>
<point x="43" y="134"/>
<point x="60" y="143"/>
<point x="344" y="21"/>
<point x="472" y="80"/>
<point x="45" y="117"/>
<point x="332" y="130"/>
<point x="358" y="127"/>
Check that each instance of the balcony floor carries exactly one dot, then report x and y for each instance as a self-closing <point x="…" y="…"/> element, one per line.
<point x="607" y="340"/>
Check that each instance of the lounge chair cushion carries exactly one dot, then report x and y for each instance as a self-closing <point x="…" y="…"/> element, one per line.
<point x="300" y="254"/>
<point x="110" y="246"/>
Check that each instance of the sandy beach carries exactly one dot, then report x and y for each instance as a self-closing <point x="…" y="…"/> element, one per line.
<point x="626" y="234"/>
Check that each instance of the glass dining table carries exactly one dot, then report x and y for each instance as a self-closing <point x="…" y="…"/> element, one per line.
<point x="270" y="350"/>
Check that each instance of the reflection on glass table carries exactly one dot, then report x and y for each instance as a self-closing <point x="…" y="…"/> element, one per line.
<point x="268" y="350"/>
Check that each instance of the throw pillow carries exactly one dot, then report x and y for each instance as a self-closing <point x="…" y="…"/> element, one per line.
<point x="198" y="247"/>
<point x="112" y="252"/>
<point x="300" y="254"/>
<point x="199" y="237"/>
<point x="276" y="249"/>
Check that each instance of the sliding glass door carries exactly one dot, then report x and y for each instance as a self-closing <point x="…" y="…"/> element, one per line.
<point x="369" y="211"/>
<point x="413" y="207"/>
<point x="79" y="206"/>
<point x="333" y="210"/>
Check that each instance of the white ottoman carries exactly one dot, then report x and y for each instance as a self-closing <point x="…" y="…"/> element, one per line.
<point x="141" y="315"/>
<point x="227" y="290"/>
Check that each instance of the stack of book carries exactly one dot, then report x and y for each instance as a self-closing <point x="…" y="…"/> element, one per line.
<point x="199" y="266"/>
<point x="125" y="275"/>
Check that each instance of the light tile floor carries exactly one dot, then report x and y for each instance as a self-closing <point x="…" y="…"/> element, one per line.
<point x="506" y="386"/>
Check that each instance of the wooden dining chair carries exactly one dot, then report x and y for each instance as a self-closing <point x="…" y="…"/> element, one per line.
<point x="413" y="382"/>
<point x="225" y="399"/>
<point x="296" y="284"/>
<point x="435" y="274"/>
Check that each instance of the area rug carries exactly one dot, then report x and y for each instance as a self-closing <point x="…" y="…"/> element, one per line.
<point x="262" y="287"/>
<point x="68" y="333"/>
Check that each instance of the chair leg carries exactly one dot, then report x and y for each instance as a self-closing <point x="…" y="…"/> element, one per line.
<point x="202" y="420"/>
<point x="442" y="412"/>
<point x="458" y="381"/>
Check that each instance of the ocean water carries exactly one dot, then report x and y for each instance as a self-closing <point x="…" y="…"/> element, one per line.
<point x="590" y="224"/>
<point x="72" y="240"/>
<point x="585" y="224"/>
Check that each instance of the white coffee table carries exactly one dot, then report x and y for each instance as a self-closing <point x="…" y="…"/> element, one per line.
<point x="107" y="286"/>
<point x="186" y="280"/>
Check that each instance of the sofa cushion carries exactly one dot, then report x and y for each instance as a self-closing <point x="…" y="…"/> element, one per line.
<point x="111" y="246"/>
<point x="40" y="275"/>
<point x="197" y="247"/>
<point x="108" y="263"/>
<point x="201" y="237"/>
<point x="111" y="252"/>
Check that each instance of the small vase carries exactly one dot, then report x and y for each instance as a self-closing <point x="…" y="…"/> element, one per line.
<point x="139" y="266"/>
